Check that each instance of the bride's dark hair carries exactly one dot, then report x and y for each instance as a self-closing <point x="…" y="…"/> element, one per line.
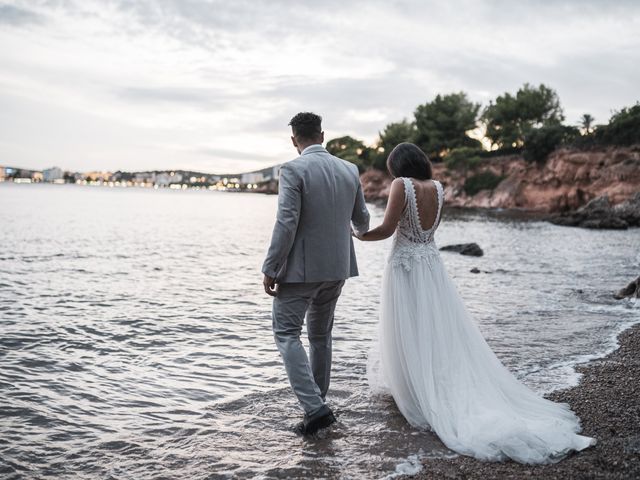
<point x="407" y="160"/>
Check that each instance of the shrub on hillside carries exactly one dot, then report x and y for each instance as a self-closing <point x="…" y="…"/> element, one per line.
<point x="463" y="159"/>
<point x="623" y="128"/>
<point x="481" y="181"/>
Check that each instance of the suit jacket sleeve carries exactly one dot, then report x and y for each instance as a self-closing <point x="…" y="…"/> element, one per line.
<point x="360" y="215"/>
<point x="284" y="231"/>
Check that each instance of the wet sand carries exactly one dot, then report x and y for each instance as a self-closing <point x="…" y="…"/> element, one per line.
<point x="607" y="400"/>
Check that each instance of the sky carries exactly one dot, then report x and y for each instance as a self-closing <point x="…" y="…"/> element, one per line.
<point x="211" y="85"/>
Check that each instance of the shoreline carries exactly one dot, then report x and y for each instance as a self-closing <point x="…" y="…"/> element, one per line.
<point x="607" y="400"/>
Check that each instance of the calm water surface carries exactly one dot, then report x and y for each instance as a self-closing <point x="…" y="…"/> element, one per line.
<point x="136" y="343"/>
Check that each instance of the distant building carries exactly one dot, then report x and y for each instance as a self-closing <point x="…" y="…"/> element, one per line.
<point x="52" y="174"/>
<point x="2" y="174"/>
<point x="271" y="173"/>
<point x="197" y="179"/>
<point x="100" y="176"/>
<point x="22" y="175"/>
<point x="261" y="176"/>
<point x="254" y="177"/>
<point x="164" y="179"/>
<point x="144" y="177"/>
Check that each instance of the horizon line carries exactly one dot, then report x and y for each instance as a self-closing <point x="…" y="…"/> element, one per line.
<point x="139" y="171"/>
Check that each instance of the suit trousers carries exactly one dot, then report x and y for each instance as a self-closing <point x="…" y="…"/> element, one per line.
<point x="309" y="376"/>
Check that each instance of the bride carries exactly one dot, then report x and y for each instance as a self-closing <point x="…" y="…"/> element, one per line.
<point x="430" y="354"/>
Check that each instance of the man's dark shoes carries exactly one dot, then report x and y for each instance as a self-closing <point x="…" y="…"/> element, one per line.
<point x="312" y="423"/>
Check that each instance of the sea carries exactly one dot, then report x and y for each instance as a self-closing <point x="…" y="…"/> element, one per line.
<point x="136" y="343"/>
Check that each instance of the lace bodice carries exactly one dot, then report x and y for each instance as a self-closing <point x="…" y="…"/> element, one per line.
<point x="411" y="241"/>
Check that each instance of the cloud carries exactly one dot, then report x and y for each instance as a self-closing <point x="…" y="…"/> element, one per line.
<point x="12" y="15"/>
<point x="202" y="98"/>
<point x="235" y="154"/>
<point x="213" y="84"/>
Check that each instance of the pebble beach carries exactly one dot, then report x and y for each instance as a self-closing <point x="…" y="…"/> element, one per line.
<point x="607" y="400"/>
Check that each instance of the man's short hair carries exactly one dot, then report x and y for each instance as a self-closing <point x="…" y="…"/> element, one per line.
<point x="306" y="125"/>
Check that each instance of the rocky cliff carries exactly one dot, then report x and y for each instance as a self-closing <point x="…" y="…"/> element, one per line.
<point x="568" y="180"/>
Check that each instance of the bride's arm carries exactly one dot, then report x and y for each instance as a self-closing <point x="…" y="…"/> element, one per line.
<point x="392" y="214"/>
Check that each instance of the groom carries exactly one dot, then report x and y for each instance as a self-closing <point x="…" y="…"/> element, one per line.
<point x="310" y="256"/>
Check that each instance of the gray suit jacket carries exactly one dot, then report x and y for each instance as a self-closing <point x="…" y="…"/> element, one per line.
<point x="319" y="196"/>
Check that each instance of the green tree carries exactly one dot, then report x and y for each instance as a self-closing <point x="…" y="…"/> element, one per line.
<point x="393" y="134"/>
<point x="586" y="122"/>
<point x="442" y="124"/>
<point x="351" y="150"/>
<point x="540" y="142"/>
<point x="510" y="118"/>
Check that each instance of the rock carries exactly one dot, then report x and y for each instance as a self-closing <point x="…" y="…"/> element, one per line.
<point x="629" y="211"/>
<point x="598" y="213"/>
<point x="599" y="204"/>
<point x="631" y="290"/>
<point x="375" y="186"/>
<point x="566" y="181"/>
<point x="611" y="223"/>
<point x="475" y="270"/>
<point x="472" y="249"/>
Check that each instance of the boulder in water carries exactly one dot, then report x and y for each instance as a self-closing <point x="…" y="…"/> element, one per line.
<point x="472" y="249"/>
<point x="631" y="290"/>
<point x="599" y="213"/>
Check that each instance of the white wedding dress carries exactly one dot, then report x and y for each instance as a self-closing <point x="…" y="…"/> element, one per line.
<point x="443" y="376"/>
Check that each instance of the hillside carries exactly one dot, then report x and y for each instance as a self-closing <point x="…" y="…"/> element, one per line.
<point x="566" y="181"/>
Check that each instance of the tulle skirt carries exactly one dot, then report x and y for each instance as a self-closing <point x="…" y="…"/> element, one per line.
<point x="431" y="357"/>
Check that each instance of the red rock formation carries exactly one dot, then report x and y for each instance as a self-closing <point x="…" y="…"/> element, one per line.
<point x="568" y="180"/>
<point x="375" y="185"/>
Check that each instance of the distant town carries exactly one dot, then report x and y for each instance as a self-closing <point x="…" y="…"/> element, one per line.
<point x="261" y="181"/>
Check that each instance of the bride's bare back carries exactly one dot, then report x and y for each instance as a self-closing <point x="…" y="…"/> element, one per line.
<point x="426" y="195"/>
<point x="426" y="201"/>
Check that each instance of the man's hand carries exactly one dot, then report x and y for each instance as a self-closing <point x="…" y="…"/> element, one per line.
<point x="355" y="234"/>
<point x="270" y="286"/>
